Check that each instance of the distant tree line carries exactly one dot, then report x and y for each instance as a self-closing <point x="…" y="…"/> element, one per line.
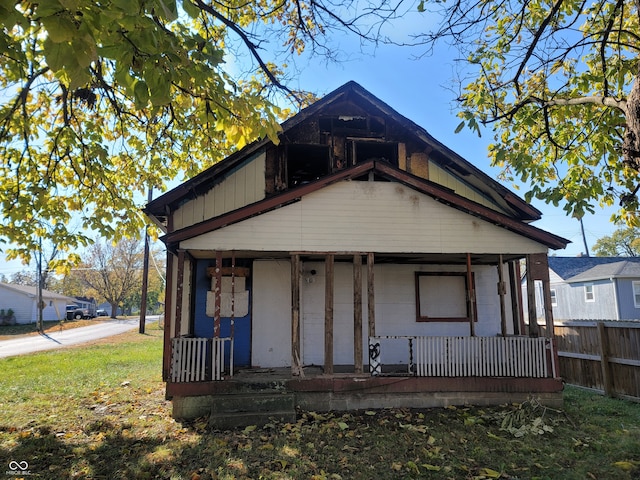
<point x="108" y="273"/>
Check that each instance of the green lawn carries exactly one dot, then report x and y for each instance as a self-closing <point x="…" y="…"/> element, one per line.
<point x="98" y="412"/>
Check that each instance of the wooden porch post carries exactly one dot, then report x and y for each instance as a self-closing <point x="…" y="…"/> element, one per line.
<point x="217" y="294"/>
<point x="357" y="313"/>
<point x="371" y="300"/>
<point x="534" y="331"/>
<point x="233" y="295"/>
<point x="471" y="298"/>
<point x="516" y="296"/>
<point x="296" y="363"/>
<point x="502" y="291"/>
<point x="542" y="262"/>
<point x="169" y="318"/>
<point x="179" y="294"/>
<point x="542" y="273"/>
<point x="328" y="314"/>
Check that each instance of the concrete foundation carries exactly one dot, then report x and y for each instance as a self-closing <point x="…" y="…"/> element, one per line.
<point x="257" y="400"/>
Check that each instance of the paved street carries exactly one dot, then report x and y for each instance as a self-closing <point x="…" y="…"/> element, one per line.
<point x="73" y="336"/>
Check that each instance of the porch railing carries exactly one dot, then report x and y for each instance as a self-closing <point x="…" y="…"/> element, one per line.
<point x="199" y="359"/>
<point x="467" y="356"/>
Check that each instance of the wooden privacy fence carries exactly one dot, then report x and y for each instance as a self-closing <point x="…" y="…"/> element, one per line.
<point x="601" y="355"/>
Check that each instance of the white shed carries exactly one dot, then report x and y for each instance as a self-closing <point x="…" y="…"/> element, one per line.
<point x="23" y="300"/>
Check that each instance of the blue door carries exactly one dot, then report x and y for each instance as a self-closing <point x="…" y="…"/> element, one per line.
<point x="203" y="326"/>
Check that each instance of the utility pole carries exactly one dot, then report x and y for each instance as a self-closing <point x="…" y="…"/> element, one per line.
<point x="145" y="273"/>
<point x="584" y="238"/>
<point x="40" y="325"/>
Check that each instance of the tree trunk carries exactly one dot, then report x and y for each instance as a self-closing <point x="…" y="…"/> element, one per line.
<point x="114" y="310"/>
<point x="631" y="145"/>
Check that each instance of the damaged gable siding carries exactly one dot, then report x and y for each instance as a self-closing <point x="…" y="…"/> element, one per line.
<point x="442" y="177"/>
<point x="243" y="186"/>
<point x="266" y="173"/>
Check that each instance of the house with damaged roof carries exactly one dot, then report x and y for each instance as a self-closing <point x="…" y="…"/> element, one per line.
<point x="358" y="263"/>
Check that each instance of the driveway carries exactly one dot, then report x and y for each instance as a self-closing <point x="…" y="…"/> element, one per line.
<point x="74" y="336"/>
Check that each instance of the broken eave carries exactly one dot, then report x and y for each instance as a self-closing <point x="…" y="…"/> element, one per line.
<point x="350" y="92"/>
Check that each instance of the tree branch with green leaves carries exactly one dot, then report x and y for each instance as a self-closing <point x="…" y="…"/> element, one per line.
<point x="101" y="100"/>
<point x="558" y="83"/>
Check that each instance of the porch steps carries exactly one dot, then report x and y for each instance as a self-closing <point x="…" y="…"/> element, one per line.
<point x="239" y="410"/>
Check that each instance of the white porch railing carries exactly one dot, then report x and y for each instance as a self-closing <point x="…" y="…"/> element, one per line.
<point x="199" y="359"/>
<point x="469" y="356"/>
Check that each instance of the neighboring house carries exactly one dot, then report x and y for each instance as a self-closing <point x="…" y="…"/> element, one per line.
<point x="358" y="259"/>
<point x="23" y="300"/>
<point x="594" y="288"/>
<point x="106" y="306"/>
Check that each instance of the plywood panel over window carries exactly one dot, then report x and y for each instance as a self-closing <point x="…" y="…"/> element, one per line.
<point x="441" y="297"/>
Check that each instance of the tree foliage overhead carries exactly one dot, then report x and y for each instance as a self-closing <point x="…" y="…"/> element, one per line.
<point x="558" y="82"/>
<point x="100" y="100"/>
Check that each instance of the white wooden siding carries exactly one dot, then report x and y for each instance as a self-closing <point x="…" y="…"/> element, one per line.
<point x="271" y="313"/>
<point x="395" y="310"/>
<point x="242" y="187"/>
<point x="366" y="216"/>
<point x="22" y="305"/>
<point x="25" y="305"/>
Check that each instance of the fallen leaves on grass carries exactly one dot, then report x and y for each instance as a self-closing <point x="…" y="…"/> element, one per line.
<point x="117" y="424"/>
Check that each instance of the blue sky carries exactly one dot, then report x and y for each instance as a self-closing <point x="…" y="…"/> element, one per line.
<point x="422" y="90"/>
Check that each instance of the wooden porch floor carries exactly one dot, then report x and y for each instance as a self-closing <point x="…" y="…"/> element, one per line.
<point x="314" y="378"/>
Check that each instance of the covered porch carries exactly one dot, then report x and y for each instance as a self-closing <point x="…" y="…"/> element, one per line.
<point x="508" y="362"/>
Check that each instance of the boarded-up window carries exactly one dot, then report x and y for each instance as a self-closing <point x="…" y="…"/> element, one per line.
<point x="441" y="297"/>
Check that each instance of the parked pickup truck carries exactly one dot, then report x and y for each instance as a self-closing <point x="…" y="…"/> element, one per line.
<point x="75" y="312"/>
